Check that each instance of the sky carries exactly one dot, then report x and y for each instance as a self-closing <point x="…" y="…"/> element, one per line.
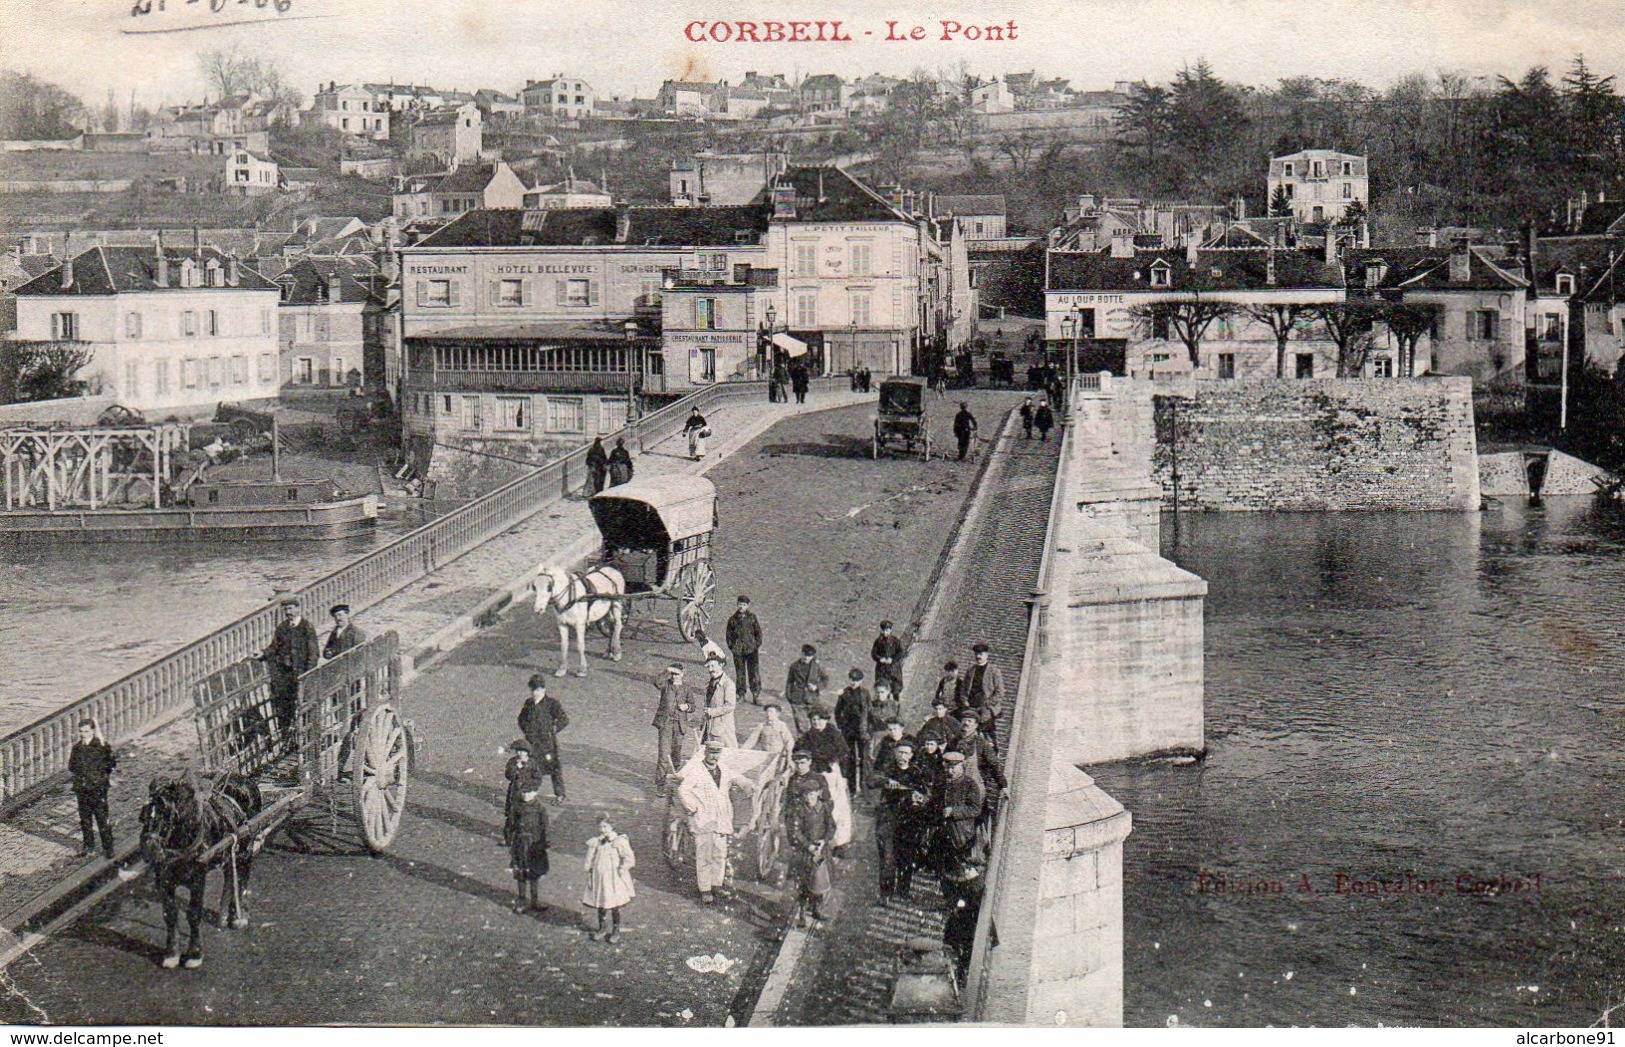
<point x="626" y="49"/>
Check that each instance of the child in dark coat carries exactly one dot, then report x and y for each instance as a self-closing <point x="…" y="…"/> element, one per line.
<point x="525" y="828"/>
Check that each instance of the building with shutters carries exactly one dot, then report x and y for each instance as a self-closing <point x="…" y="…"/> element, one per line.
<point x="171" y="331"/>
<point x="558" y="96"/>
<point x="1320" y="184"/>
<point x="330" y="324"/>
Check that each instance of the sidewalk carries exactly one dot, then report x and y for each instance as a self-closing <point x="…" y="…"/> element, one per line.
<point x="39" y="844"/>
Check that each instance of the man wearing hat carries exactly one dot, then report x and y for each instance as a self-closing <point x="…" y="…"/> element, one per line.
<point x="984" y="688"/>
<point x="940" y="726"/>
<point x="744" y="638"/>
<point x="852" y="719"/>
<point x="809" y="830"/>
<point x="804" y="684"/>
<point x="802" y="775"/>
<point x="345" y="635"/>
<point x="964" y="428"/>
<point x="904" y="790"/>
<point x="672" y="721"/>
<point x="885" y="745"/>
<point x="950" y="685"/>
<point x="294" y="650"/>
<point x="541" y="719"/>
<point x="962" y="801"/>
<point x="983" y="764"/>
<point x="824" y="741"/>
<point x="720" y="702"/>
<point x="524" y="827"/>
<point x="705" y="796"/>
<point x="887" y="653"/>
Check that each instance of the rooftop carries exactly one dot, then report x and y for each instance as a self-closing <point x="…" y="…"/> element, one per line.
<point x="120" y="270"/>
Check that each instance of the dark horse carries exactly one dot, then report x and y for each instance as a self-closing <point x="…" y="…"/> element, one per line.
<point x="179" y="827"/>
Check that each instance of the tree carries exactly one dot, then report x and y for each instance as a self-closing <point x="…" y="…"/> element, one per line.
<point x="229" y="71"/>
<point x="1349" y="325"/>
<point x="1407" y="322"/>
<point x="1280" y="203"/>
<point x="1281" y="320"/>
<point x="1148" y="115"/>
<point x="48" y="370"/>
<point x="1206" y="119"/>
<point x="33" y="109"/>
<point x="1187" y="317"/>
<point x="1354" y="214"/>
<point x="1594" y="117"/>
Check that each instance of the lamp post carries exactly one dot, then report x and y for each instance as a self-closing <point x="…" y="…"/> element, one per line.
<point x="1070" y="326"/>
<point x="631" y="389"/>
<point x="769" y="354"/>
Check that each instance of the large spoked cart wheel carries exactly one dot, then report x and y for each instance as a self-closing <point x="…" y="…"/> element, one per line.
<point x="677" y="842"/>
<point x="696" y="586"/>
<point x="379" y="774"/>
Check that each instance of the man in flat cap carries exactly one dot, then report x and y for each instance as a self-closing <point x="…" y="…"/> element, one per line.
<point x="673" y="718"/>
<point x="541" y="719"/>
<point x="904" y="790"/>
<point x="804" y="684"/>
<point x="705" y="794"/>
<point x="984" y="689"/>
<point x="294" y="651"/>
<point x="345" y="634"/>
<point x="744" y="638"/>
<point x="962" y="801"/>
<point x="720" y="702"/>
<point x="852" y="720"/>
<point x="887" y="653"/>
<point x="801" y="775"/>
<point x="809" y="829"/>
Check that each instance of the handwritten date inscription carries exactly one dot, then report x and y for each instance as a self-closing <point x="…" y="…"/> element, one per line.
<point x="145" y="7"/>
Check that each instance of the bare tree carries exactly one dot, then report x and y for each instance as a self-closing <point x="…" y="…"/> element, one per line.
<point x="48" y="370"/>
<point x="1187" y="317"/>
<point x="229" y="71"/>
<point x="1348" y="325"/>
<point x="1281" y="320"/>
<point x="1407" y="322"/>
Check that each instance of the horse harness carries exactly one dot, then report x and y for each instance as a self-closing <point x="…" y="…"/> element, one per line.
<point x="564" y="599"/>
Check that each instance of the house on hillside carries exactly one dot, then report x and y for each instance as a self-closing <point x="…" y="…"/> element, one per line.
<point x="452" y="135"/>
<point x="330" y="324"/>
<point x="690" y="98"/>
<point x="572" y="192"/>
<point x="1319" y="184"/>
<point x="994" y="97"/>
<point x="497" y="106"/>
<point x="351" y="109"/>
<point x="823" y="93"/>
<point x="471" y="186"/>
<point x="559" y="96"/>
<point x="982" y="217"/>
<point x="251" y="174"/>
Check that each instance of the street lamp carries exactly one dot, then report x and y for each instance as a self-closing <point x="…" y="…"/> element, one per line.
<point x="1071" y="327"/>
<point x="769" y="354"/>
<point x="631" y="391"/>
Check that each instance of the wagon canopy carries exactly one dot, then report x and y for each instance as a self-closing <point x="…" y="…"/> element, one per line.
<point x="902" y="396"/>
<point x="655" y="513"/>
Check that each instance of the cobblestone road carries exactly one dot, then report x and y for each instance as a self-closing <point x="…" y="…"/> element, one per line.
<point x="825" y="540"/>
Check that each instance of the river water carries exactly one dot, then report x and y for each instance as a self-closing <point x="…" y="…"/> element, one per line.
<point x="75" y="617"/>
<point x="1419" y="704"/>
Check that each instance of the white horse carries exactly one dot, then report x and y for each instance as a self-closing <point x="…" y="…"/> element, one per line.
<point x="571" y="598"/>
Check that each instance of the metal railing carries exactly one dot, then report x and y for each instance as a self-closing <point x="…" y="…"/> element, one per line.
<point x="35" y="757"/>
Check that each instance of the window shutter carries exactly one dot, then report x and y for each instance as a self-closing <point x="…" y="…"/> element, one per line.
<point x="456" y="288"/>
<point x="524" y="293"/>
<point x="496" y="292"/>
<point x="592" y="292"/>
<point x="423" y="293"/>
<point x="699" y="322"/>
<point x="560" y="292"/>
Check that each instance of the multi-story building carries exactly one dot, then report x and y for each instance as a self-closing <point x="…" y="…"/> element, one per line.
<point x="452" y="135"/>
<point x="351" y="109"/>
<point x="850" y="270"/>
<point x="251" y="174"/>
<point x="572" y="192"/>
<point x="402" y="98"/>
<point x="994" y="97"/>
<point x="982" y="217"/>
<point x="1320" y="184"/>
<point x="470" y="187"/>
<point x="497" y="106"/>
<point x="722" y="179"/>
<point x="330" y="324"/>
<point x="515" y="322"/>
<point x="690" y="98"/>
<point x="170" y="331"/>
<point x="711" y="321"/>
<point x="559" y="96"/>
<point x="823" y="93"/>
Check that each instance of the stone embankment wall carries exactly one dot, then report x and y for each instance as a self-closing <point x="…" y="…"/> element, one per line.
<point x="1337" y="444"/>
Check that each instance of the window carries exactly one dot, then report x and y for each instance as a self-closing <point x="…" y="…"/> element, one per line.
<point x="437" y="294"/>
<point x="445" y="405"/>
<point x="708" y="363"/>
<point x="191" y="372"/>
<point x="806" y="260"/>
<point x="132" y="325"/>
<point x="1318" y="170"/>
<point x="510" y="293"/>
<point x="1224" y="329"/>
<point x="267" y="367"/>
<point x="132" y="380"/>
<point x="1159" y="326"/>
<point x="611" y="415"/>
<point x="1159" y="274"/>
<point x="189" y="324"/>
<point x="1306" y="365"/>
<point x="714" y="262"/>
<point x="861" y="313"/>
<point x="216" y="371"/>
<point x="566" y="414"/>
<point x="160" y="377"/>
<point x="471" y="414"/>
<point x="211" y="324"/>
<point x="304" y="372"/>
<point x="862" y="255"/>
<point x="806" y="311"/>
<point x="65" y="326"/>
<point x="338" y="371"/>
<point x="1348" y="190"/>
<point x="239" y="370"/>
<point x="265" y="321"/>
<point x="1481" y="324"/>
<point x="1565" y="284"/>
<point x="1227" y="365"/>
<point x="705" y="314"/>
<point x="1286" y="170"/>
<point x="1382" y="367"/>
<point x="1288" y="188"/>
<point x="512" y="413"/>
<point x="1348" y="168"/>
<point x="577" y="292"/>
<point x="1552" y="328"/>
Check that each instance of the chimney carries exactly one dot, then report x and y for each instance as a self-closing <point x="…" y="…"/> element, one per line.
<point x="197" y="243"/>
<point x="67" y="265"/>
<point x="1191" y="244"/>
<point x="1461" y="260"/>
<point x="1240" y="208"/>
<point x="161" y="274"/>
<point x="1123" y="245"/>
<point x="623" y="226"/>
<point x="335" y="288"/>
<point x="1269" y="267"/>
<point x="1280" y="234"/>
<point x="231" y="271"/>
<point x="1331" y="246"/>
<point x="1530" y="252"/>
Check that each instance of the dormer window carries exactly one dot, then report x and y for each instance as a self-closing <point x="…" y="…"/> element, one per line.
<point x="1160" y="274"/>
<point x="1286" y="170"/>
<point x="287" y="285"/>
<point x="188" y="273"/>
<point x="1375" y="272"/>
<point x="1565" y="283"/>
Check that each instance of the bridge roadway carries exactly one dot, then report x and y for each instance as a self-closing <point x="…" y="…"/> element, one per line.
<point x="826" y="541"/>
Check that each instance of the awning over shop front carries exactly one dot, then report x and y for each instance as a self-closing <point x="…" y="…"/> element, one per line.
<point x="792" y="347"/>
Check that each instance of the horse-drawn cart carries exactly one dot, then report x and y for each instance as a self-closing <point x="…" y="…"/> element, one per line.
<point x="349" y="749"/>
<point x="767" y="774"/>
<point x="657" y="534"/>
<point x="901" y="420"/>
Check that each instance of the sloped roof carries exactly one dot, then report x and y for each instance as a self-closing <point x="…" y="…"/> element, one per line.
<point x="119" y="270"/>
<point x="992" y="203"/>
<point x="829" y="194"/>
<point x="1428" y="269"/>
<point x="1227" y="270"/>
<point x="820" y="81"/>
<point x="690" y="85"/>
<point x="1237" y="235"/>
<point x="312" y="282"/>
<point x="588" y="226"/>
<point x="469" y="178"/>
